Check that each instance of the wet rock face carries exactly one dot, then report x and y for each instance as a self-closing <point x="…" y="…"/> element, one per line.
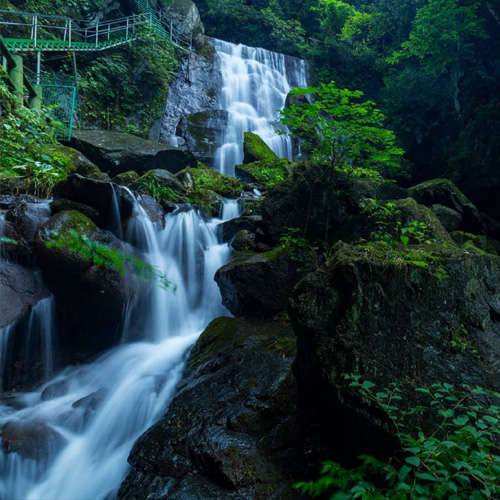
<point x="195" y="90"/>
<point x="89" y="299"/>
<point x="256" y="284"/>
<point x="202" y="133"/>
<point x="20" y="290"/>
<point x="119" y="152"/>
<point x="230" y="431"/>
<point x="186" y="16"/>
<point x="392" y="323"/>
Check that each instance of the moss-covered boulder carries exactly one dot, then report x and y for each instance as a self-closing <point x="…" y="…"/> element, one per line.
<point x="75" y="162"/>
<point x="445" y="192"/>
<point x="255" y="149"/>
<point x="231" y="430"/>
<point x="118" y="152"/>
<point x="256" y="284"/>
<point x="318" y="201"/>
<point x="428" y="316"/>
<point x="89" y="298"/>
<point x="266" y="173"/>
<point x="126" y="178"/>
<point x="476" y="242"/>
<point x="450" y="218"/>
<point x="208" y="179"/>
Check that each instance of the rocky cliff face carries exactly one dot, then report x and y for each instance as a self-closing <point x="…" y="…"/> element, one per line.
<point x="231" y="431"/>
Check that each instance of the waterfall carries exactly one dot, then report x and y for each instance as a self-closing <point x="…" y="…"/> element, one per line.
<point x="255" y="83"/>
<point x="213" y="102"/>
<point x="69" y="440"/>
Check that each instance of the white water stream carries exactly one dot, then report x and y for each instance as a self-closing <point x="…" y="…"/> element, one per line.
<point x="77" y="430"/>
<point x="255" y="83"/>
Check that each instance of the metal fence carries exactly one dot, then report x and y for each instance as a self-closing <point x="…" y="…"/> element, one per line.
<point x="61" y="99"/>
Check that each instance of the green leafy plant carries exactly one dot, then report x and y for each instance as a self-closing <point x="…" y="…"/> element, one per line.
<point x="339" y="129"/>
<point x="459" y="459"/>
<point x="100" y="254"/>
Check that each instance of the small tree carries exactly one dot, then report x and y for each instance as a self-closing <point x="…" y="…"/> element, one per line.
<point x="337" y="128"/>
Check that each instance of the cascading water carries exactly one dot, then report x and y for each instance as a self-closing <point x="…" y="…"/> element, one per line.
<point x="255" y="83"/>
<point x="80" y="426"/>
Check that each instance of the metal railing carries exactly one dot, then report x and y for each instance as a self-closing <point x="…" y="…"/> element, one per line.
<point x="32" y="31"/>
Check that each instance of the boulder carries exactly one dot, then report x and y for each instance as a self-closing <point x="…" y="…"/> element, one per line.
<point x="35" y="440"/>
<point x="105" y="198"/>
<point x="186" y="17"/>
<point x="78" y="163"/>
<point x="432" y="316"/>
<point x="450" y="218"/>
<point x="202" y="133"/>
<point x="243" y="241"/>
<point x="318" y="203"/>
<point x="89" y="298"/>
<point x="255" y="149"/>
<point x="444" y="192"/>
<point x="258" y="284"/>
<point x="126" y="178"/>
<point x="230" y="431"/>
<point x="476" y="242"/>
<point x="118" y="152"/>
<point x="161" y="178"/>
<point x="64" y="204"/>
<point x="25" y="217"/>
<point x="20" y="290"/>
<point x="264" y="173"/>
<point x="227" y="230"/>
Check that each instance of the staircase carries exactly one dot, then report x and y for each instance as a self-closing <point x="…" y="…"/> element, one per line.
<point x="34" y="32"/>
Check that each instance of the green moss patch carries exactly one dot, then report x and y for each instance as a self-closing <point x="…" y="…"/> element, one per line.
<point x="255" y="149"/>
<point x="265" y="172"/>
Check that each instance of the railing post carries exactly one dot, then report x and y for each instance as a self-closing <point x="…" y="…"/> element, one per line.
<point x="38" y="66"/>
<point x="171" y="31"/>
<point x="69" y="35"/>
<point x="126" y="30"/>
<point x="65" y="30"/>
<point x="86" y="35"/>
<point x="109" y="32"/>
<point x="35" y="29"/>
<point x="97" y="35"/>
<point x="36" y="100"/>
<point x="16" y="74"/>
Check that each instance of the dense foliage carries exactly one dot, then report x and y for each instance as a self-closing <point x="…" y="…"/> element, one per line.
<point x="433" y="65"/>
<point x="25" y="140"/>
<point x="340" y="129"/>
<point x="459" y="459"/>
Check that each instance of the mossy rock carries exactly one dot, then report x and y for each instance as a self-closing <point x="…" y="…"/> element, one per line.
<point x="207" y="179"/>
<point x="255" y="149"/>
<point x="67" y="220"/>
<point x="126" y="178"/>
<point x="475" y="243"/>
<point x="267" y="173"/>
<point x="75" y="162"/>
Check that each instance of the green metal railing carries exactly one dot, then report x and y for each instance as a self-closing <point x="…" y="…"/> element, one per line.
<point x="33" y="32"/>
<point x="61" y="99"/>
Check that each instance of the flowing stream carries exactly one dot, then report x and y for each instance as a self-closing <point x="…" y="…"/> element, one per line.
<point x="71" y="437"/>
<point x="255" y="83"/>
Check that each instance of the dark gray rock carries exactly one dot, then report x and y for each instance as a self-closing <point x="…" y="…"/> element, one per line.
<point x="203" y="133"/>
<point x="393" y="321"/>
<point x="243" y="241"/>
<point x="98" y="195"/>
<point x="64" y="204"/>
<point x="257" y="284"/>
<point x="20" y="290"/>
<point x="231" y="430"/>
<point x="25" y="217"/>
<point x="444" y="192"/>
<point x="228" y="230"/>
<point x="118" y="152"/>
<point x="451" y="219"/>
<point x="90" y="299"/>
<point x="318" y="203"/>
<point x="185" y="16"/>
